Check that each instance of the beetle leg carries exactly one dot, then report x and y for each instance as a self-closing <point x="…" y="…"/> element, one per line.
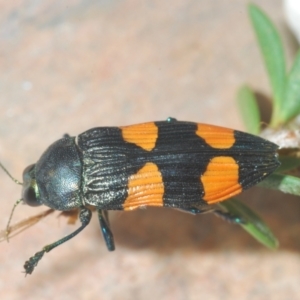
<point x="196" y="210"/>
<point x="104" y="225"/>
<point x="170" y="119"/>
<point x="229" y="217"/>
<point x="84" y="216"/>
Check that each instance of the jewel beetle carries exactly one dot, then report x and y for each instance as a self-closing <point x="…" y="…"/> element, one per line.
<point x="183" y="165"/>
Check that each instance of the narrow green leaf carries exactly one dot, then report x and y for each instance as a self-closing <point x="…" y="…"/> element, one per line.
<point x="284" y="183"/>
<point x="254" y="225"/>
<point x="249" y="109"/>
<point x="291" y="105"/>
<point x="288" y="163"/>
<point x="273" y="55"/>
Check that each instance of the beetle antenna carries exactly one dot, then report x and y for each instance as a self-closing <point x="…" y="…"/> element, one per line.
<point x="14" y="179"/>
<point x="15" y="205"/>
<point x="7" y="232"/>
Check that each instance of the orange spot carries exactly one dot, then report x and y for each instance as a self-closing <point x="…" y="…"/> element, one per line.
<point x="143" y="135"/>
<point x="215" y="136"/>
<point x="220" y="180"/>
<point x="145" y="188"/>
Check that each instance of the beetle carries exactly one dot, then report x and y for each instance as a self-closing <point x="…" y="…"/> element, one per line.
<point x="182" y="165"/>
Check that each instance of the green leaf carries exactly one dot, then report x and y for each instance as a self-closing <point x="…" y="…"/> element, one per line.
<point x="291" y="107"/>
<point x="254" y="225"/>
<point x="285" y="183"/>
<point x="273" y="55"/>
<point x="249" y="109"/>
<point x="288" y="163"/>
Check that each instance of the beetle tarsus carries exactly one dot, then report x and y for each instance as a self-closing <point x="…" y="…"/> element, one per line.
<point x="32" y="262"/>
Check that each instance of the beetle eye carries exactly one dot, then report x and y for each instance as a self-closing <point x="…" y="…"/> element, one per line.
<point x="30" y="197"/>
<point x="30" y="188"/>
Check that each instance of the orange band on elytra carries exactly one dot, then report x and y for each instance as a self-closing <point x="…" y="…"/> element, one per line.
<point x="221" y="179"/>
<point x="143" y="135"/>
<point x="145" y="188"/>
<point x="215" y="136"/>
